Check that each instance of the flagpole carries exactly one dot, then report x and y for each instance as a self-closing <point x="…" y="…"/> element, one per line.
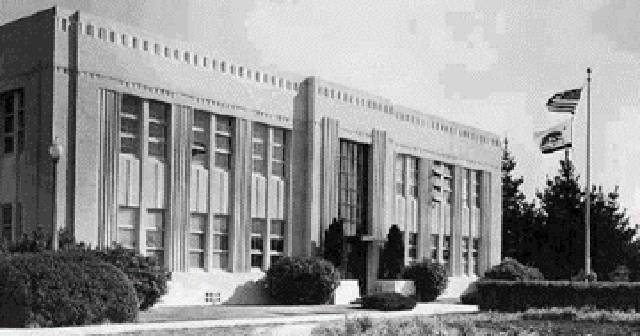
<point x="588" y="207"/>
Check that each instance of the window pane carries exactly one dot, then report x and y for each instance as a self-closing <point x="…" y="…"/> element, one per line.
<point x="278" y="153"/>
<point x="223" y="142"/>
<point x="8" y="123"/>
<point x="278" y="136"/>
<point x="259" y="148"/>
<point x="127" y="237"/>
<point x="259" y="131"/>
<point x="131" y="105"/>
<point x="223" y="124"/>
<point x="8" y="145"/>
<point x="275" y="259"/>
<point x="257" y="243"/>
<point x="155" y="239"/>
<point x="157" y="130"/>
<point x="277" y="245"/>
<point x="156" y="220"/>
<point x="128" y="145"/>
<point x="128" y="125"/>
<point x="127" y="217"/>
<point x="196" y="260"/>
<point x="258" y="165"/>
<point x="157" y="149"/>
<point x="258" y="226"/>
<point x="223" y="160"/>
<point x="158" y="110"/>
<point x="219" y="260"/>
<point x="198" y="223"/>
<point x="220" y="224"/>
<point x="159" y="255"/>
<point x="197" y="241"/>
<point x="220" y="242"/>
<point x="256" y="260"/>
<point x="277" y="227"/>
<point x="278" y="169"/>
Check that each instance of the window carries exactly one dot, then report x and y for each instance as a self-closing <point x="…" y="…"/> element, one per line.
<point x="124" y="40"/>
<point x="223" y="142"/>
<point x="223" y="67"/>
<point x="257" y="242"/>
<point x="400" y="175"/>
<point x="259" y="148"/>
<point x="277" y="231"/>
<point x="134" y="43"/>
<point x="7" y="222"/>
<point x="273" y="80"/>
<point x="477" y="188"/>
<point x="465" y="255"/>
<point x="249" y="74"/>
<point x="413" y="176"/>
<point x="176" y="54"/>
<point x="145" y="45"/>
<point x="278" y="156"/>
<point x="200" y="136"/>
<point x="476" y="248"/>
<point x="12" y="121"/>
<point x="167" y="52"/>
<point x="64" y="25"/>
<point x="265" y="78"/>
<point x="220" y="243"/>
<point x="102" y="34"/>
<point x="89" y="30"/>
<point x="413" y="247"/>
<point x="195" y="59"/>
<point x="353" y="186"/>
<point x="281" y="82"/>
<point x="258" y="76"/>
<point x="187" y="57"/>
<point x="112" y="37"/>
<point x="158" y="114"/>
<point x="232" y="69"/>
<point x="240" y="71"/>
<point x="205" y="61"/>
<point x="155" y="234"/>
<point x="435" y="246"/>
<point x="127" y="231"/>
<point x="445" y="250"/>
<point x="289" y="85"/>
<point x="156" y="49"/>
<point x="465" y="188"/>
<point x="130" y="116"/>
<point x="197" y="241"/>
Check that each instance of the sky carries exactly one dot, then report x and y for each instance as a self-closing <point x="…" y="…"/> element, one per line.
<point x="487" y="63"/>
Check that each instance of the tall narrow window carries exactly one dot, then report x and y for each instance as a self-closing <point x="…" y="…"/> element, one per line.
<point x="277" y="240"/>
<point x="413" y="175"/>
<point x="278" y="159"/>
<point x="465" y="255"/>
<point x="352" y="188"/>
<point x="259" y="148"/>
<point x="446" y="248"/>
<point x="200" y="135"/>
<point x="476" y="248"/>
<point x="130" y="117"/>
<point x="158" y="117"/>
<point x="12" y="122"/>
<point x="435" y="247"/>
<point x="400" y="174"/>
<point x="197" y="241"/>
<point x="220" y="243"/>
<point x="7" y="222"/>
<point x="224" y="133"/>
<point x="155" y="234"/>
<point x="257" y="242"/>
<point x="127" y="227"/>
<point x="413" y="247"/>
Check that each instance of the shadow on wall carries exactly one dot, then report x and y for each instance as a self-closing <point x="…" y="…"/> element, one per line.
<point x="250" y="293"/>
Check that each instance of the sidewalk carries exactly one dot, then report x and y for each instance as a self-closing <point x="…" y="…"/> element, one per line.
<point x="303" y="317"/>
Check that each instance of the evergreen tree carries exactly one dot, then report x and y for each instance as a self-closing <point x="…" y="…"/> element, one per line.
<point x="562" y="236"/>
<point x="518" y="216"/>
<point x="392" y="256"/>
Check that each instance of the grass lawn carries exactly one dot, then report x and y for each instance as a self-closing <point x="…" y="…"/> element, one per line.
<point x="566" y="321"/>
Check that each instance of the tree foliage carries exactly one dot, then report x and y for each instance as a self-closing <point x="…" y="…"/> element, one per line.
<point x="392" y="256"/>
<point x="335" y="245"/>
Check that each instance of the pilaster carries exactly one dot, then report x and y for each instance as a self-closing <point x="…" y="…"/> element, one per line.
<point x="456" y="221"/>
<point x="330" y="164"/>
<point x="109" y="105"/>
<point x="240" y="230"/>
<point x="424" y="208"/>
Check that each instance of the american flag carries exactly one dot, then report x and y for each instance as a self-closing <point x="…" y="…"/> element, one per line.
<point x="564" y="102"/>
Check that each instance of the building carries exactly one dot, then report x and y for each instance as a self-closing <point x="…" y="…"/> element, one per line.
<point x="218" y="168"/>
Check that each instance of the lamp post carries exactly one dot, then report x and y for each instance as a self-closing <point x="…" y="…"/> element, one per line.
<point x="55" y="151"/>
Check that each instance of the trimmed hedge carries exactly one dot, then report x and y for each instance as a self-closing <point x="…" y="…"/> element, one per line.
<point x="429" y="278"/>
<point x="301" y="281"/>
<point x="53" y="289"/>
<point x="515" y="296"/>
<point x="388" y="301"/>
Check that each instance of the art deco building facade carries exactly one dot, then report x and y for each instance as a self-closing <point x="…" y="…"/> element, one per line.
<point x="221" y="168"/>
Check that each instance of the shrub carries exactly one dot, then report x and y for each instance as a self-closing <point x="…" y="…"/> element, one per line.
<point x="148" y="276"/>
<point x="51" y="289"/>
<point x="392" y="256"/>
<point x="522" y="295"/>
<point x="429" y="278"/>
<point x="335" y="243"/>
<point x="388" y="301"/>
<point x="301" y="281"/>
<point x="511" y="269"/>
